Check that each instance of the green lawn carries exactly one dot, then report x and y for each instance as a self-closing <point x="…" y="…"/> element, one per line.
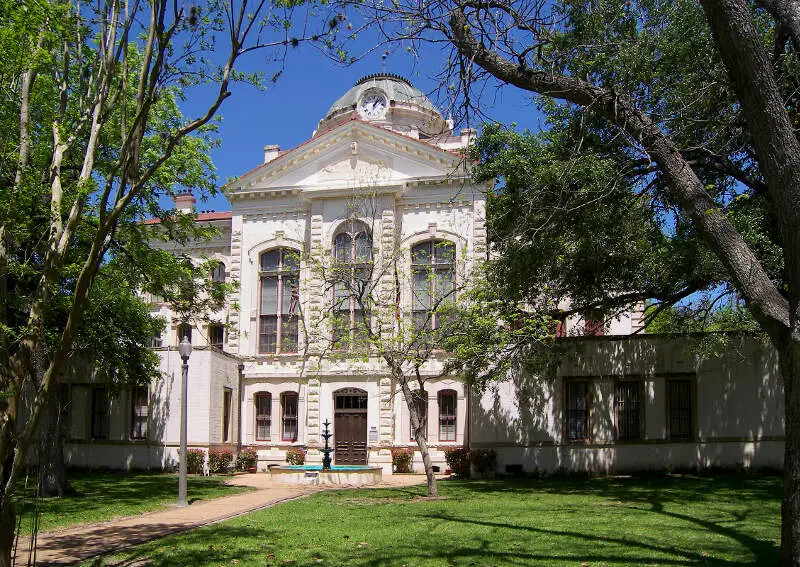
<point x="715" y="521"/>
<point x="102" y="496"/>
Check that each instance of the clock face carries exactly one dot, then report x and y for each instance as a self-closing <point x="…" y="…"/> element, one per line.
<point x="373" y="105"/>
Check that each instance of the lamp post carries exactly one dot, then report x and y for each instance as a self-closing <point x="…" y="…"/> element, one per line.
<point x="184" y="349"/>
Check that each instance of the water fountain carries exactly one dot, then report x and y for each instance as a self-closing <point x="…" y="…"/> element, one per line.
<point x="358" y="475"/>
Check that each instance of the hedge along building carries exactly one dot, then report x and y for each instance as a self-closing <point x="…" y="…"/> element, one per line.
<point x="382" y="186"/>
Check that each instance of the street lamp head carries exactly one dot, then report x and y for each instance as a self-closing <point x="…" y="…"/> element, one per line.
<point x="185" y="348"/>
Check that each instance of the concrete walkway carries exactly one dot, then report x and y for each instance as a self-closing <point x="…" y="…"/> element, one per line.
<point x="64" y="547"/>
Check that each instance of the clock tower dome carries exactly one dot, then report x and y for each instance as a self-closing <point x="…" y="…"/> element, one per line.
<point x="389" y="101"/>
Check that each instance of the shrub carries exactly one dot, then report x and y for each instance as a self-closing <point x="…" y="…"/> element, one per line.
<point x="246" y="459"/>
<point x="194" y="461"/>
<point x="402" y="459"/>
<point x="219" y="461"/>
<point x="295" y="456"/>
<point x="484" y="460"/>
<point x="458" y="461"/>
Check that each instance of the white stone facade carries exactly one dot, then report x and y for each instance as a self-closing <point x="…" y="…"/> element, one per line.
<point x="384" y="157"/>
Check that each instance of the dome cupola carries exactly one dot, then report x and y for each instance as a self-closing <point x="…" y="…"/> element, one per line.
<point x="389" y="101"/>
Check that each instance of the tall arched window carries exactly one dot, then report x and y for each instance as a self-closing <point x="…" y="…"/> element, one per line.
<point x="280" y="301"/>
<point x="263" y="409"/>
<point x="352" y="252"/>
<point x="447" y="415"/>
<point x="433" y="281"/>
<point x="289" y="416"/>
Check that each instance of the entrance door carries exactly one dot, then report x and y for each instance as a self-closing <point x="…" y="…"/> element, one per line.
<point x="350" y="427"/>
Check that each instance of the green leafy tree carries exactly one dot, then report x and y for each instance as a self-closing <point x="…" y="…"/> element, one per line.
<point x="688" y="111"/>
<point x="92" y="140"/>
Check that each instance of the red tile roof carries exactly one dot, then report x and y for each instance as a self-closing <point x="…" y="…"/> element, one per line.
<point x="199" y="217"/>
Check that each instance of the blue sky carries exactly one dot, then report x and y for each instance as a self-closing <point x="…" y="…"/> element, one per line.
<point x="287" y="113"/>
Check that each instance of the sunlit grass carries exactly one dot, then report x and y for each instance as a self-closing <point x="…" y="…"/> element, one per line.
<point x="102" y="496"/>
<point x="725" y="520"/>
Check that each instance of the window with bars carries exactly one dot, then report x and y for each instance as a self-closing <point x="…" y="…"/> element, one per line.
<point x="576" y="393"/>
<point x="280" y="301"/>
<point x="218" y="273"/>
<point x="140" y="412"/>
<point x="289" y="416"/>
<point x="447" y="415"/>
<point x="263" y="410"/>
<point x="352" y="252"/>
<point x="419" y="400"/>
<point x="99" y="422"/>
<point x="679" y="409"/>
<point x="433" y="282"/>
<point x="627" y="402"/>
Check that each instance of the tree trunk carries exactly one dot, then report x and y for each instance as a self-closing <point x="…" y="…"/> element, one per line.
<point x="417" y="426"/>
<point x="52" y="471"/>
<point x="7" y="511"/>
<point x="7" y="524"/>
<point x="790" y="507"/>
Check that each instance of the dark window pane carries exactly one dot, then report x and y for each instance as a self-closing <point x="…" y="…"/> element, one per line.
<point x="139" y="413"/>
<point x="263" y="403"/>
<point x="363" y="251"/>
<point x="216" y="335"/>
<point x="577" y="410"/>
<point x="343" y="248"/>
<point x="444" y="252"/>
<point x="289" y="421"/>
<point x="627" y="403"/>
<point x="291" y="260"/>
<point x="184" y="330"/>
<point x="268" y="334"/>
<point x="270" y="261"/>
<point x="289" y="333"/>
<point x="679" y="396"/>
<point x="421" y="254"/>
<point x="218" y="273"/>
<point x="447" y="415"/>
<point x="421" y="291"/>
<point x="227" y="398"/>
<point x="269" y="295"/>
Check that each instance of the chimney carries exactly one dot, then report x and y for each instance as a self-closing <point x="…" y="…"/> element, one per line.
<point x="184" y="200"/>
<point x="468" y="135"/>
<point x="271" y="152"/>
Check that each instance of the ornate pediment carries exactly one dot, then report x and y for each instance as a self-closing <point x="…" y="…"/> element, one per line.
<point x="354" y="154"/>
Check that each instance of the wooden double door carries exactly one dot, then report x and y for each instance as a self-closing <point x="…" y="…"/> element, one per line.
<point x="350" y="427"/>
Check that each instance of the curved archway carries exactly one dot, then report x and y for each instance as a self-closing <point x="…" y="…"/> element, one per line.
<point x="350" y="426"/>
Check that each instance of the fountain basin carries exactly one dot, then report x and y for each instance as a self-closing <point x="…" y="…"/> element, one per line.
<point x="352" y="475"/>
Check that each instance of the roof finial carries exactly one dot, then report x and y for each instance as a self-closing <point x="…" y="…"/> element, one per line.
<point x="383" y="61"/>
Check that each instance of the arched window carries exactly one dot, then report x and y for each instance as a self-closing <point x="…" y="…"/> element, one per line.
<point x="419" y="400"/>
<point x="352" y="253"/>
<point x="433" y="281"/>
<point x="280" y="301"/>
<point x="262" y="402"/>
<point x="289" y="416"/>
<point x="447" y="415"/>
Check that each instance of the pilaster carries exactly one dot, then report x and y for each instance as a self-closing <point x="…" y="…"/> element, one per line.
<point x="236" y="277"/>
